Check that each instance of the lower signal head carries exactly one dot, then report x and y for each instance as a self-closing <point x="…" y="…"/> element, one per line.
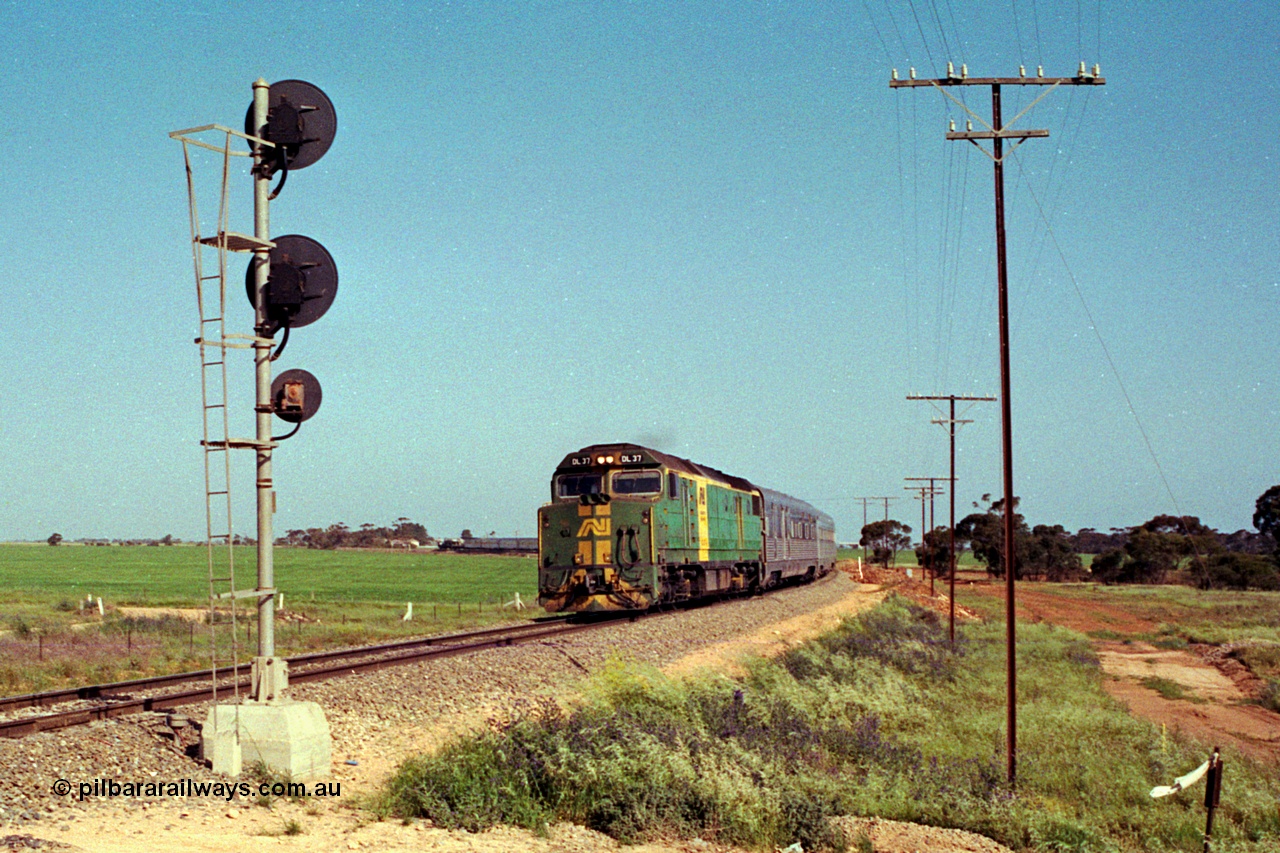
<point x="295" y="396"/>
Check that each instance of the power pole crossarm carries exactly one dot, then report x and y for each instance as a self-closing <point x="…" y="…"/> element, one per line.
<point x="1082" y="78"/>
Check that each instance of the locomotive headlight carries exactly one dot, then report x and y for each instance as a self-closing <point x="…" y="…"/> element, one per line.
<point x="599" y="460"/>
<point x="609" y="459"/>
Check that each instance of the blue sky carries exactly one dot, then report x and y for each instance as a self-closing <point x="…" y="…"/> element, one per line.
<point x="708" y="227"/>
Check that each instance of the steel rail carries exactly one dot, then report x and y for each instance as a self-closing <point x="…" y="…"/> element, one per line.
<point x="22" y="727"/>
<point x="103" y="691"/>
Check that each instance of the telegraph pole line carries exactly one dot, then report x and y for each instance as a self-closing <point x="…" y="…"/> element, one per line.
<point x="932" y="491"/>
<point x="997" y="131"/>
<point x="920" y="497"/>
<point x="864" y="514"/>
<point x="951" y="423"/>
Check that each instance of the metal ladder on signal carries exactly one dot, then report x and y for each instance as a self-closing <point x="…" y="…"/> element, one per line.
<point x="215" y="345"/>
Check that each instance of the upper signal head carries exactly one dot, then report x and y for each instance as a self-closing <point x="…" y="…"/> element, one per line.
<point x="301" y="122"/>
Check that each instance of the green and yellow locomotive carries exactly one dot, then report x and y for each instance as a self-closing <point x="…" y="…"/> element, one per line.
<point x="629" y="528"/>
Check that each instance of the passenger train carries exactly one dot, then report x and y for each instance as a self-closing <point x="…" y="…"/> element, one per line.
<point x="629" y="528"/>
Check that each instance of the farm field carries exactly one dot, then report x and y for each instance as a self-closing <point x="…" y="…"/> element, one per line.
<point x="177" y="575"/>
<point x="155" y="600"/>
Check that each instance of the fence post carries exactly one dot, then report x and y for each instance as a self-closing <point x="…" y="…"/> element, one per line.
<point x="1212" y="793"/>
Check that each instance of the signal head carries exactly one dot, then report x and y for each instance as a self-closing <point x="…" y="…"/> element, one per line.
<point x="295" y="396"/>
<point x="301" y="122"/>
<point x="301" y="284"/>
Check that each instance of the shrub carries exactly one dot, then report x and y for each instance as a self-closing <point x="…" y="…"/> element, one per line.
<point x="1270" y="696"/>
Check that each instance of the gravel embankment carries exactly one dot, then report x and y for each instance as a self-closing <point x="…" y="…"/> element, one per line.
<point x="378" y="718"/>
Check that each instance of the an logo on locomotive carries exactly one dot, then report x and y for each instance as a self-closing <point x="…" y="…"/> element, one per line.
<point x="594" y="527"/>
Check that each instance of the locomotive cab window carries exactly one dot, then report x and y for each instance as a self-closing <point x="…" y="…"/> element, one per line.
<point x="637" y="483"/>
<point x="573" y="485"/>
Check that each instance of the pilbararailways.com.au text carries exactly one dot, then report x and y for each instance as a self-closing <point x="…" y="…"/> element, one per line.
<point x="191" y="788"/>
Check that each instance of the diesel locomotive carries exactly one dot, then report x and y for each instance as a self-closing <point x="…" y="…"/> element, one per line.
<point x="630" y="528"/>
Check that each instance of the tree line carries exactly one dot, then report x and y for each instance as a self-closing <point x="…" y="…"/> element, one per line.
<point x="1165" y="549"/>
<point x="365" y="536"/>
<point x="167" y="539"/>
<point x="334" y="536"/>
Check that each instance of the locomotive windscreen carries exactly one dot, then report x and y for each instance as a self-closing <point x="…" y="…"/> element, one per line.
<point x="573" y="485"/>
<point x="637" y="483"/>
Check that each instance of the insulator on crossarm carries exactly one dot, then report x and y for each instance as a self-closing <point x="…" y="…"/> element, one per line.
<point x="964" y="70"/>
<point x="968" y="125"/>
<point x="951" y="69"/>
<point x="951" y="125"/>
<point x="895" y="74"/>
<point x="1039" y="70"/>
<point x="1081" y="72"/>
<point x="1097" y="70"/>
<point x="1022" y="71"/>
<point x="913" y="72"/>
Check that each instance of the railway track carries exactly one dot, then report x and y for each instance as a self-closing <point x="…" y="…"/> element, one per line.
<point x="118" y="698"/>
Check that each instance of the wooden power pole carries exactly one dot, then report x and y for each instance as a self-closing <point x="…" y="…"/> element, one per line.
<point x="951" y="423"/>
<point x="997" y="131"/>
<point x="931" y="491"/>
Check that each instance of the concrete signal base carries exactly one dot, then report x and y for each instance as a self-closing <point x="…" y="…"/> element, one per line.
<point x="288" y="737"/>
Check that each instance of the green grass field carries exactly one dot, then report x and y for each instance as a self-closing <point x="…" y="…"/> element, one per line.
<point x="338" y="598"/>
<point x="178" y="575"/>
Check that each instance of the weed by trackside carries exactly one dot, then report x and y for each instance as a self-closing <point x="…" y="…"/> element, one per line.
<point x="1169" y="689"/>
